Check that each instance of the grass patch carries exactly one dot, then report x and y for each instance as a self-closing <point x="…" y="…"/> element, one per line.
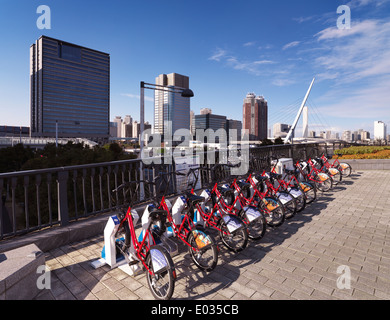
<point x="364" y="152"/>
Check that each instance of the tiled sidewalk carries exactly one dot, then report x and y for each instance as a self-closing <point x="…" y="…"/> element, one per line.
<point x="349" y="226"/>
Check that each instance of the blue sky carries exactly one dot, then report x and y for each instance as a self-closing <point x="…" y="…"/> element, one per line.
<point x="227" y="48"/>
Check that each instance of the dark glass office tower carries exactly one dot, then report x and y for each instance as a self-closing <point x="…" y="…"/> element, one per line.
<point x="70" y="85"/>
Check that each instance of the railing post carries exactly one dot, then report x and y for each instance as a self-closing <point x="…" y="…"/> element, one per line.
<point x="63" y="212"/>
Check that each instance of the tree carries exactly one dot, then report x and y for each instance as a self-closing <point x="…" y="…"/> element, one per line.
<point x="278" y="140"/>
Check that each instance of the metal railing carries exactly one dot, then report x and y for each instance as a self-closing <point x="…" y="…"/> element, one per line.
<point x="40" y="199"/>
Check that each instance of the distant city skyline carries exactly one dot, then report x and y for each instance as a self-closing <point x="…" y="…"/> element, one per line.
<point x="226" y="56"/>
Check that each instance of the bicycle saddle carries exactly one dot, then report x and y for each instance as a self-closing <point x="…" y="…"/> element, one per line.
<point x="194" y="199"/>
<point x="243" y="185"/>
<point x="225" y="191"/>
<point x="156" y="213"/>
<point x="260" y="178"/>
<point x="275" y="175"/>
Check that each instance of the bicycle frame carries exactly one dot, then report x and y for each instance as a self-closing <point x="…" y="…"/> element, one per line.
<point x="336" y="163"/>
<point x="181" y="231"/>
<point x="141" y="248"/>
<point x="218" y="210"/>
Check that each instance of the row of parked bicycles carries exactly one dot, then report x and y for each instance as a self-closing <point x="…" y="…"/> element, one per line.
<point x="238" y="208"/>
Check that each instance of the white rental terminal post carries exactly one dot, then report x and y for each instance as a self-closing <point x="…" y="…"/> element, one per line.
<point x="109" y="254"/>
<point x="114" y="259"/>
<point x="282" y="164"/>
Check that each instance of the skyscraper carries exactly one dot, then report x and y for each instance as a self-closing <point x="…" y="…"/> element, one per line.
<point x="69" y="84"/>
<point x="171" y="109"/>
<point x="255" y="116"/>
<point x="380" y="129"/>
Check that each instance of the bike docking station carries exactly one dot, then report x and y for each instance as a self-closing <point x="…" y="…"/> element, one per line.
<point x="128" y="263"/>
<point x="110" y="255"/>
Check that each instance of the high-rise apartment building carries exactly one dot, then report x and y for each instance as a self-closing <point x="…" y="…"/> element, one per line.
<point x="255" y="116"/>
<point x="347" y="136"/>
<point x="171" y="110"/>
<point x="281" y="130"/>
<point x="70" y="85"/>
<point x="380" y="130"/>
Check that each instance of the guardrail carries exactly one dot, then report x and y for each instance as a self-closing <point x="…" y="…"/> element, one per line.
<point x="40" y="199"/>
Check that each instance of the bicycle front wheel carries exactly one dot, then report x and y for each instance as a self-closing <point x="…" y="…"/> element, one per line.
<point x="336" y="175"/>
<point x="324" y="182"/>
<point x="203" y="249"/>
<point x="160" y="273"/>
<point x="233" y="232"/>
<point x="345" y="169"/>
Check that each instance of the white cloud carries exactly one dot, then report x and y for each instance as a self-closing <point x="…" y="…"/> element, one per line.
<point x="282" y="82"/>
<point x="303" y="19"/>
<point x="358" y="53"/>
<point x="370" y="102"/>
<point x="263" y="62"/>
<point x="365" y="27"/>
<point x="362" y="3"/>
<point x="249" y="44"/>
<point x="291" y="45"/>
<point x="218" y="55"/>
<point x="136" y="96"/>
<point x="356" y="64"/>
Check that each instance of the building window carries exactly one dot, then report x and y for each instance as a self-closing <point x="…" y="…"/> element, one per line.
<point x="69" y="52"/>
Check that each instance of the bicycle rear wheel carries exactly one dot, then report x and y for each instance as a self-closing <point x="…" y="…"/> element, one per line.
<point x="203" y="249"/>
<point x="289" y="203"/>
<point x="233" y="232"/>
<point x="309" y="190"/>
<point x="255" y="222"/>
<point x="160" y="273"/>
<point x="274" y="211"/>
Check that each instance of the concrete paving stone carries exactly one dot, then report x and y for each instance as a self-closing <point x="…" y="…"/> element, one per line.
<point x="318" y="286"/>
<point x="277" y="295"/>
<point x="382" y="295"/>
<point x="278" y="277"/>
<point x="362" y="295"/>
<point x="106" y="294"/>
<point x="126" y="294"/>
<point x="280" y="287"/>
<point x="298" y="285"/>
<point x="86" y="295"/>
<point x="320" y="295"/>
<point x="242" y="289"/>
<point x="299" y="295"/>
<point x="113" y="284"/>
<point x="75" y="287"/>
<point x="260" y="296"/>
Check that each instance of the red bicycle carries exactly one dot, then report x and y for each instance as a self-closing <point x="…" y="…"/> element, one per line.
<point x="343" y="167"/>
<point x="271" y="206"/>
<point x="201" y="245"/>
<point x="309" y="172"/>
<point x="160" y="270"/>
<point x="214" y="212"/>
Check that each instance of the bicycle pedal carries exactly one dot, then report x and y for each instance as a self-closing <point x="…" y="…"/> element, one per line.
<point x="133" y="262"/>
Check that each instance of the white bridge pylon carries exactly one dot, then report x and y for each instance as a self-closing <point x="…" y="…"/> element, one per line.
<point x="290" y="134"/>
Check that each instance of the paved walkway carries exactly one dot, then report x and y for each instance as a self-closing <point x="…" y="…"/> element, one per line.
<point x="302" y="259"/>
